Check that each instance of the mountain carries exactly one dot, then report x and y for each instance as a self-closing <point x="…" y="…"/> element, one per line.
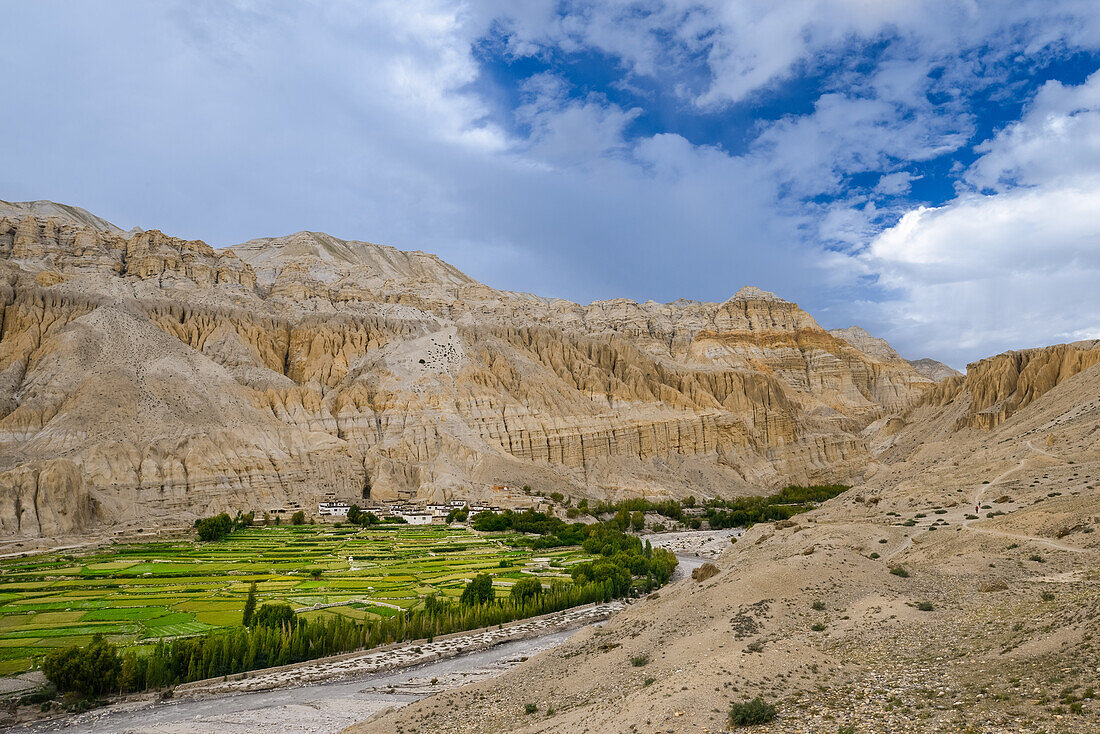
<point x="897" y="606"/>
<point x="146" y="379"/>
<point x="880" y="349"/>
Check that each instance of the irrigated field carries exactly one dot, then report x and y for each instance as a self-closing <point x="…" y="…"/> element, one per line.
<point x="143" y="591"/>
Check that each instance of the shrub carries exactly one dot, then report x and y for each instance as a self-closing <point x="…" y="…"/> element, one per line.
<point x="1047" y="596"/>
<point x="899" y="571"/>
<point x="925" y="606"/>
<point x="819" y="606"/>
<point x="298" y="518"/>
<point x="704" y="572"/>
<point x="530" y="708"/>
<point x="1037" y="558"/>
<point x="874" y="555"/>
<point x="639" y="660"/>
<point x="817" y="627"/>
<point x="748" y="713"/>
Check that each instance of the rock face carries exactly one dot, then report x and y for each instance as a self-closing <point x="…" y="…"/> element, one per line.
<point x="147" y="377"/>
<point x="996" y="388"/>
<point x="881" y="350"/>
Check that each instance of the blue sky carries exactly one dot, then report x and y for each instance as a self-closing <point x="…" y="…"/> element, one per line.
<point x="930" y="171"/>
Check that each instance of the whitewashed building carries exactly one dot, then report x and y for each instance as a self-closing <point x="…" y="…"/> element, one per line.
<point x="333" y="509"/>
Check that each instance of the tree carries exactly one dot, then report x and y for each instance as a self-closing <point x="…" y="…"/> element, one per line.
<point x="90" y="670"/>
<point x="249" y="605"/>
<point x="478" y="591"/>
<point x="298" y="518"/>
<point x="274" y="615"/>
<point x="354" y="514"/>
<point x="637" y="521"/>
<point x="525" y="589"/>
<point x="214" y="528"/>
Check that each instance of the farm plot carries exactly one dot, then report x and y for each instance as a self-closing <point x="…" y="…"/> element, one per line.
<point x="137" y="593"/>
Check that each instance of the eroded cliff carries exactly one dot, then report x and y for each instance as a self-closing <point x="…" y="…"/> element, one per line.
<point x="143" y="376"/>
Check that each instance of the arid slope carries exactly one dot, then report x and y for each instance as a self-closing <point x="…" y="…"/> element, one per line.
<point x="146" y="379"/>
<point x="988" y="625"/>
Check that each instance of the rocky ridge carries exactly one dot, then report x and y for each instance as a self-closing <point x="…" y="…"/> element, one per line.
<point x="147" y="377"/>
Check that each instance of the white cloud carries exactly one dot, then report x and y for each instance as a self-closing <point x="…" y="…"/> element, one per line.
<point x="1058" y="139"/>
<point x="1015" y="267"/>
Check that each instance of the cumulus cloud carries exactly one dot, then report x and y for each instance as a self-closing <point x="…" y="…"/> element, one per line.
<point x="1015" y="266"/>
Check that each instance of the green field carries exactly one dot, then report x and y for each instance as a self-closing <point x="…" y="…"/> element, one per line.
<point x="143" y="591"/>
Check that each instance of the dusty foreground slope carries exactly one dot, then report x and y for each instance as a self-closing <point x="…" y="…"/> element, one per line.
<point x="146" y="379"/>
<point x="1009" y="642"/>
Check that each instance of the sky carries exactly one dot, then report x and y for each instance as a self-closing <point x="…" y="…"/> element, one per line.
<point x="927" y="170"/>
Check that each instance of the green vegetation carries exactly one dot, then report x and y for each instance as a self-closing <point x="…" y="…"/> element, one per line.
<point x="137" y="593"/>
<point x="925" y="606"/>
<point x="748" y="713"/>
<point x="249" y="605"/>
<point x="620" y="557"/>
<point x="526" y="589"/>
<point x="478" y="591"/>
<point x="746" y="511"/>
<point x="899" y="571"/>
<point x="90" y="670"/>
<point x="297" y="639"/>
<point x="219" y="526"/>
<point x="639" y="660"/>
<point x="530" y="708"/>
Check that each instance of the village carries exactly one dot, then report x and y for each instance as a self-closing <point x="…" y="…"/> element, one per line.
<point x="410" y="511"/>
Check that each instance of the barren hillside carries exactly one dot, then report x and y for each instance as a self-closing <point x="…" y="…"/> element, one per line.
<point x="898" y="606"/>
<point x="144" y="378"/>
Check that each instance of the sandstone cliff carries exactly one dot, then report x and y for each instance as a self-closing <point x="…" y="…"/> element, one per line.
<point x="147" y="377"/>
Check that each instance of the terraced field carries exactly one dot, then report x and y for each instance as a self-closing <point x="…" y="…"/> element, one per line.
<point x="136" y="593"/>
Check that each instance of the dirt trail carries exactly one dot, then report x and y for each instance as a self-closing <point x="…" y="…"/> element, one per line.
<point x="959" y="515"/>
<point x="980" y="494"/>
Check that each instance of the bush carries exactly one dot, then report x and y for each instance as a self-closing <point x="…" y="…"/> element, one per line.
<point x="530" y="708"/>
<point x="899" y="571"/>
<point x="639" y="660"/>
<point x="298" y="518"/>
<point x="817" y="627"/>
<point x="1047" y="596"/>
<point x="1037" y="558"/>
<point x="756" y="711"/>
<point x="819" y="606"/>
<point x="925" y="606"/>
<point x="704" y="572"/>
<point x="89" y="670"/>
<point x="478" y="591"/>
